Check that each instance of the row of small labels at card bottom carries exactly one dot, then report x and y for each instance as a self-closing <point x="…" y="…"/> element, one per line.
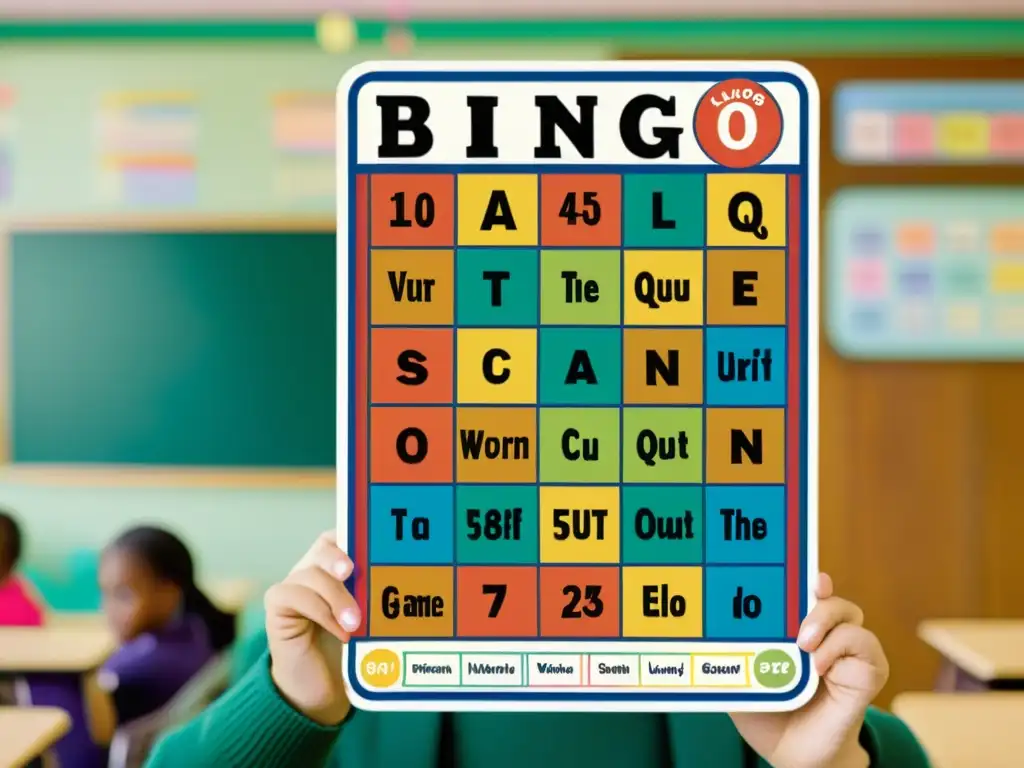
<point x="569" y="670"/>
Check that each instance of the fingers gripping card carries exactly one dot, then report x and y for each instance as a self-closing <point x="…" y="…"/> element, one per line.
<point x="578" y="405"/>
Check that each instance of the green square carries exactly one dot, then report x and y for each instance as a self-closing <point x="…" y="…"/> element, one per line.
<point x="677" y="221"/>
<point x="647" y="431"/>
<point x="485" y="297"/>
<point x="496" y="524"/>
<point x="591" y="435"/>
<point x="663" y="524"/>
<point x="591" y="297"/>
<point x="580" y="366"/>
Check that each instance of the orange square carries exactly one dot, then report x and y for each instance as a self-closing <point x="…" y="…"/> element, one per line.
<point x="580" y="210"/>
<point x="1008" y="239"/>
<point x="411" y="365"/>
<point x="915" y="238"/>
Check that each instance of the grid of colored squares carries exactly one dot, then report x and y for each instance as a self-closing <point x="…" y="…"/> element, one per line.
<point x="578" y="392"/>
<point x="928" y="271"/>
<point x="930" y="123"/>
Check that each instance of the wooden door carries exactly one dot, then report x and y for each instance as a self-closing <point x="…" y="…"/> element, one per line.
<point x="921" y="497"/>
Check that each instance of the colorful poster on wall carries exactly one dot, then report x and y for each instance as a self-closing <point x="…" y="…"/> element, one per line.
<point x="146" y="148"/>
<point x="303" y="138"/>
<point x="929" y="123"/>
<point x="7" y="99"/>
<point x="926" y="273"/>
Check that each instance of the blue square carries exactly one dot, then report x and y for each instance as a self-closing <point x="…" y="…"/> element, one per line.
<point x="412" y="524"/>
<point x="744" y="603"/>
<point x="745" y="366"/>
<point x="745" y="524"/>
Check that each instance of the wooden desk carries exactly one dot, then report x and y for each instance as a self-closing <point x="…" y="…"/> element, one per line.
<point x="54" y="649"/>
<point x="966" y="730"/>
<point x="978" y="654"/>
<point x="230" y="595"/>
<point x="26" y="734"/>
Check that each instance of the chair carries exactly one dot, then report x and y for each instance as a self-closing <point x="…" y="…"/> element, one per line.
<point x="133" y="741"/>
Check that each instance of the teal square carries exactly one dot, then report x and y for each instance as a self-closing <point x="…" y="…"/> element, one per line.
<point x="497" y="287"/>
<point x="496" y="524"/>
<point x="662" y="524"/>
<point x="580" y="366"/>
<point x="677" y="221"/>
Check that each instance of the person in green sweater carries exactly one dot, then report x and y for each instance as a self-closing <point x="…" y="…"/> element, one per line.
<point x="289" y="710"/>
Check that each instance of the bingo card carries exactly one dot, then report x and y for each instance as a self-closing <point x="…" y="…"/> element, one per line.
<point x="577" y="399"/>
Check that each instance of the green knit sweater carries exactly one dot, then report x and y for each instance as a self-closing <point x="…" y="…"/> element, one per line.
<point x="251" y="726"/>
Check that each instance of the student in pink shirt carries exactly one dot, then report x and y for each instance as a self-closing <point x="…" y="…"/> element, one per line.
<point x="17" y="606"/>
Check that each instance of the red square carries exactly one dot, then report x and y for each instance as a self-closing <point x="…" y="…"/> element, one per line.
<point x="411" y="445"/>
<point x="580" y="210"/>
<point x="1006" y="135"/>
<point x="412" y="210"/>
<point x="579" y="601"/>
<point x="497" y="601"/>
<point x="411" y="365"/>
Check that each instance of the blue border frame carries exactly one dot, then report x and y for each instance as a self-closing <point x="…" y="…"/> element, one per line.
<point x="354" y="168"/>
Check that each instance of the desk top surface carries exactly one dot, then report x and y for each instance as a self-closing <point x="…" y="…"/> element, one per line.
<point x="988" y="649"/>
<point x="26" y="733"/>
<point x="58" y="648"/>
<point x="966" y="730"/>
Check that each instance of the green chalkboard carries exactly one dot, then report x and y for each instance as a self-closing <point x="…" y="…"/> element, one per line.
<point x="172" y="348"/>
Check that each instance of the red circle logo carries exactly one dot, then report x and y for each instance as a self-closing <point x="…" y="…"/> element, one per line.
<point x="738" y="123"/>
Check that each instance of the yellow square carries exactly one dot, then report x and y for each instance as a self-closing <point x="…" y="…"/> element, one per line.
<point x="1007" y="277"/>
<point x="664" y="287"/>
<point x="963" y="134"/>
<point x="662" y="602"/>
<point x="498" y="209"/>
<point x="579" y="525"/>
<point x="497" y="365"/>
<point x="746" y="209"/>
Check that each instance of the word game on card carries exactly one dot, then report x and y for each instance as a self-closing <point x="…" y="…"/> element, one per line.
<point x="578" y="403"/>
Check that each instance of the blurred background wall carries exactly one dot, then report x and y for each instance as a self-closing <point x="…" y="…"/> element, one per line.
<point x="921" y="503"/>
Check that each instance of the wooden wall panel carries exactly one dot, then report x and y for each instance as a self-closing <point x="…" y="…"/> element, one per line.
<point x="921" y="501"/>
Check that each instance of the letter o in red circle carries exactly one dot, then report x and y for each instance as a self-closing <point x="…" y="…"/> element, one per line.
<point x="738" y="123"/>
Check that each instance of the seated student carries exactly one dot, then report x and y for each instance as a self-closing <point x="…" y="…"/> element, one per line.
<point x="290" y="709"/>
<point x="18" y="606"/>
<point x="167" y="629"/>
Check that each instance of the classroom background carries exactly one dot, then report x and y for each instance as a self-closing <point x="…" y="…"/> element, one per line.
<point x="117" y="122"/>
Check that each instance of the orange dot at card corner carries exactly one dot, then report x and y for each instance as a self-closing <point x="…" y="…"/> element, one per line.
<point x="411" y="445"/>
<point x="579" y="601"/>
<point x="580" y="210"/>
<point x="412" y="210"/>
<point x="411" y="365"/>
<point x="497" y="601"/>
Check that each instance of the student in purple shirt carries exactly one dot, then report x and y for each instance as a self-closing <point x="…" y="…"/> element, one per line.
<point x="167" y="628"/>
